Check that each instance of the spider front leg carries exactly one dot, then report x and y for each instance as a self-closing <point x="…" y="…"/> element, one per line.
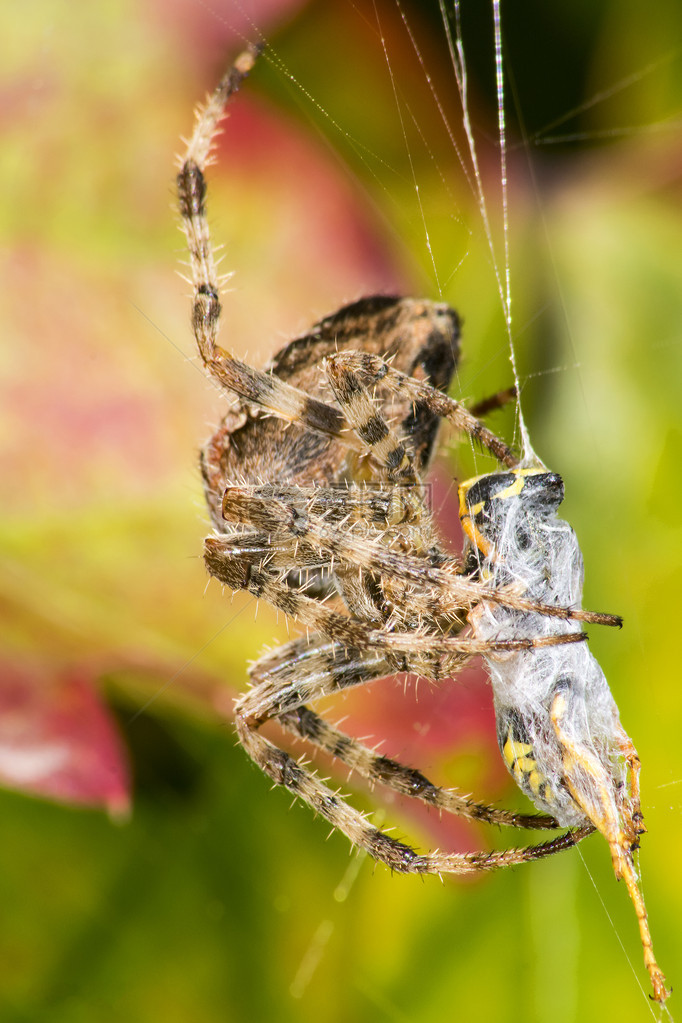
<point x="435" y="656"/>
<point x="286" y="771"/>
<point x="374" y="369"/>
<point x="369" y="424"/>
<point x="427" y="322"/>
<point x="442" y="583"/>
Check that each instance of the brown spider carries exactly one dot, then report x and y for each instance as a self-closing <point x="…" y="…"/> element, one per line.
<point x="315" y="485"/>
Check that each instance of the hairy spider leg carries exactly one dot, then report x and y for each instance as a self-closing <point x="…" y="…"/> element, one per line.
<point x="263" y="389"/>
<point x="370" y="425"/>
<point x="407" y="781"/>
<point x="275" y="676"/>
<point x="285" y="770"/>
<point x="320" y="674"/>
<point x="451" y="587"/>
<point x="238" y="574"/>
<point x="375" y="369"/>
<point x="493" y="402"/>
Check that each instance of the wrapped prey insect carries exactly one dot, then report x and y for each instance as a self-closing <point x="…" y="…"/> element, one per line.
<point x="558" y="726"/>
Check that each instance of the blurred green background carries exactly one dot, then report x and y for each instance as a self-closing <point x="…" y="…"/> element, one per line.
<point x="213" y="900"/>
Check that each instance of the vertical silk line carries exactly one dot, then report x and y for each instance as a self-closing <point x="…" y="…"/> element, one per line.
<point x="506" y="297"/>
<point x="459" y="68"/>
<point x="415" y="182"/>
<point x="457" y="57"/>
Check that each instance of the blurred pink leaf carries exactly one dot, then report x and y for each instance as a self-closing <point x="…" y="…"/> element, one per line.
<point x="57" y="740"/>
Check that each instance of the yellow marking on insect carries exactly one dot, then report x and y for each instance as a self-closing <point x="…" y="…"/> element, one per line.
<point x="524" y="767"/>
<point x="468" y="525"/>
<point x="468" y="514"/>
<point x="513" y="750"/>
<point x="476" y="536"/>
<point x="511" y="490"/>
<point x="515" y="488"/>
<point x="535" y="781"/>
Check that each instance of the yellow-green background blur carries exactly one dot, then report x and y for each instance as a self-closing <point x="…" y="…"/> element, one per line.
<point x="215" y="901"/>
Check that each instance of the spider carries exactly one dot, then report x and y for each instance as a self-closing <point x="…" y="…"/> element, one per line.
<point x="315" y="483"/>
